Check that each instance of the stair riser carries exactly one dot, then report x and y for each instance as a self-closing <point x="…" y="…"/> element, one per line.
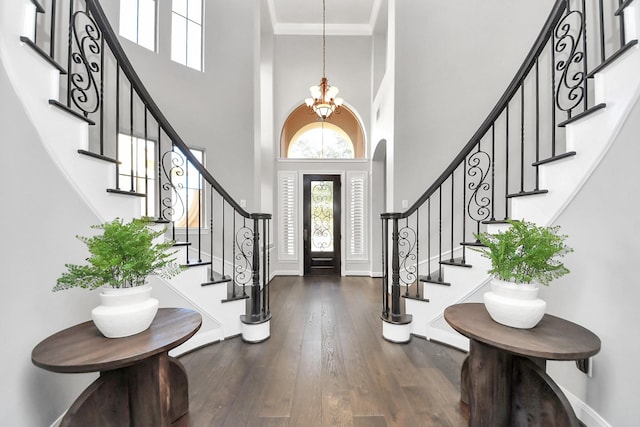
<point x="209" y="298"/>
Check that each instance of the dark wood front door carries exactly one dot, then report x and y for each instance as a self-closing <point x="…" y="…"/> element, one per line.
<point x="321" y="224"/>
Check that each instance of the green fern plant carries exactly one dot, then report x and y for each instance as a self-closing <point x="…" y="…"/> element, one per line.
<point x="525" y="253"/>
<point x="121" y="257"/>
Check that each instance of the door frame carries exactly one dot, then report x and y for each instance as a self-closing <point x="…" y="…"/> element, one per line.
<point x="301" y="174"/>
<point x="308" y="254"/>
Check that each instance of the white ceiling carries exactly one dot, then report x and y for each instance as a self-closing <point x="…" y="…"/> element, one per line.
<point x="343" y="17"/>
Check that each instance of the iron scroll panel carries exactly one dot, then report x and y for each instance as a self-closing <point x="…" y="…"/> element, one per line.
<point x="569" y="61"/>
<point x="86" y="53"/>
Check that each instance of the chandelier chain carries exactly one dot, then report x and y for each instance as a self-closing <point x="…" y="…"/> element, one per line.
<point x="324" y="39"/>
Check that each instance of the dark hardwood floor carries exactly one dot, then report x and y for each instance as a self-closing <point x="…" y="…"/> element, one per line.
<point x="325" y="364"/>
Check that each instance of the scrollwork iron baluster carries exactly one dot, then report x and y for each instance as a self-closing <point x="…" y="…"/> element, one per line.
<point x="407" y="241"/>
<point x="244" y="255"/>
<point x="173" y="165"/>
<point x="479" y="164"/>
<point x="568" y="33"/>
<point x="84" y="91"/>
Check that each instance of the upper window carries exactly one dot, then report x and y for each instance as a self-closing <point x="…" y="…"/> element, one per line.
<point x="339" y="137"/>
<point x="138" y="22"/>
<point x="186" y="33"/>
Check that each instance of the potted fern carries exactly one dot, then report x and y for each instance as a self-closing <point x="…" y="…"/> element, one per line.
<point x="522" y="257"/>
<point x="122" y="257"/>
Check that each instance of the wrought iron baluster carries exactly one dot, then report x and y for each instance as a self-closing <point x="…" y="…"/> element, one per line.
<point x="160" y="213"/>
<point x="585" y="53"/>
<point x="464" y="214"/>
<point x="452" y="210"/>
<point x="101" y="101"/>
<point x="417" y="253"/>
<point x="537" y="169"/>
<point x="186" y="201"/>
<point x="117" y="125"/>
<point x="623" y="37"/>
<point x="603" y="54"/>
<point x="553" y="95"/>
<point x="493" y="173"/>
<point x="506" y="159"/>
<point x="69" y="53"/>
<point x="440" y="234"/>
<point x="52" y="38"/>
<point x="131" y="140"/>
<point x="146" y="162"/>
<point x="211" y="236"/>
<point x="222" y="235"/>
<point x="199" y="195"/>
<point x="264" y="267"/>
<point x="429" y="238"/>
<point x="522" y="148"/>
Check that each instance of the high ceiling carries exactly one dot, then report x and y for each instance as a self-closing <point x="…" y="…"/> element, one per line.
<point x="343" y="17"/>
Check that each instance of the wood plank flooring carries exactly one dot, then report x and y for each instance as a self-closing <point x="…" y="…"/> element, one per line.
<point x="325" y="364"/>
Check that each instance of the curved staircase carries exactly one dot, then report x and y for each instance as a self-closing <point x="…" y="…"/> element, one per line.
<point x="74" y="108"/>
<point x="551" y="154"/>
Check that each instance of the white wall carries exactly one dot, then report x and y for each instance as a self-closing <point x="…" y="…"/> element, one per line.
<point x="453" y="60"/>
<point x="298" y="65"/>
<point x="214" y="109"/>
<point x="41" y="214"/>
<point x="601" y="293"/>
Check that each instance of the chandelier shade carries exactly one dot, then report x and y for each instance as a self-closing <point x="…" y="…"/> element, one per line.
<point x="324" y="100"/>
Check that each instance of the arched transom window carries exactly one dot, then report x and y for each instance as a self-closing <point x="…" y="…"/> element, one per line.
<point x="339" y="137"/>
<point x="320" y="140"/>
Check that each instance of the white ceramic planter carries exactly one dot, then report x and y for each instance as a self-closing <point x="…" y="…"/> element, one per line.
<point x="515" y="305"/>
<point x="124" y="311"/>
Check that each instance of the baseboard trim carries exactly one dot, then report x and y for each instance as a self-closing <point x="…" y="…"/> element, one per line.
<point x="198" y="341"/>
<point x="584" y="412"/>
<point x="447" y="338"/>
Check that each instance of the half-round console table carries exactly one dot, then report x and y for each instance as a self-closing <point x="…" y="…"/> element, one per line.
<point x="504" y="380"/>
<point x="139" y="384"/>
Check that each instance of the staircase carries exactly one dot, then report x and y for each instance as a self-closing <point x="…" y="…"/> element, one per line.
<point x="528" y="160"/>
<point x="103" y="130"/>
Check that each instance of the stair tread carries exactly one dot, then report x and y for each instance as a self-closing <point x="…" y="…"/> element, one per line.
<point x="474" y="243"/>
<point x="612" y="58"/>
<point x="196" y="263"/>
<point x="434" y="279"/>
<point x="456" y="262"/>
<point x="496" y="221"/>
<point x="239" y="293"/>
<point x="582" y="115"/>
<point x="527" y="193"/>
<point x="215" y="278"/>
<point x="98" y="156"/>
<point x="125" y="192"/>
<point x="70" y="111"/>
<point x="554" y="158"/>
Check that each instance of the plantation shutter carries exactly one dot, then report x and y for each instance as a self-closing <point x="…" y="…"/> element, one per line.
<point x="287" y="190"/>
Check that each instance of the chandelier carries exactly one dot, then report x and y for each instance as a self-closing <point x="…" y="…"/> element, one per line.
<point x="323" y="99"/>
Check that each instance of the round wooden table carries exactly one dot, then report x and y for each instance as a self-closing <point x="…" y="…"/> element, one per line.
<point x="139" y="384"/>
<point x="504" y="379"/>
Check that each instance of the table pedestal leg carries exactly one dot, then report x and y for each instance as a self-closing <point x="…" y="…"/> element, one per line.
<point x="151" y="393"/>
<point x="489" y="386"/>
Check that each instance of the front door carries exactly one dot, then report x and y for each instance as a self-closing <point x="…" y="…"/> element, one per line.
<point x="321" y="224"/>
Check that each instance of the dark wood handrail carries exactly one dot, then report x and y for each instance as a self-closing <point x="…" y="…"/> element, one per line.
<point x="540" y="43"/>
<point x="112" y="40"/>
